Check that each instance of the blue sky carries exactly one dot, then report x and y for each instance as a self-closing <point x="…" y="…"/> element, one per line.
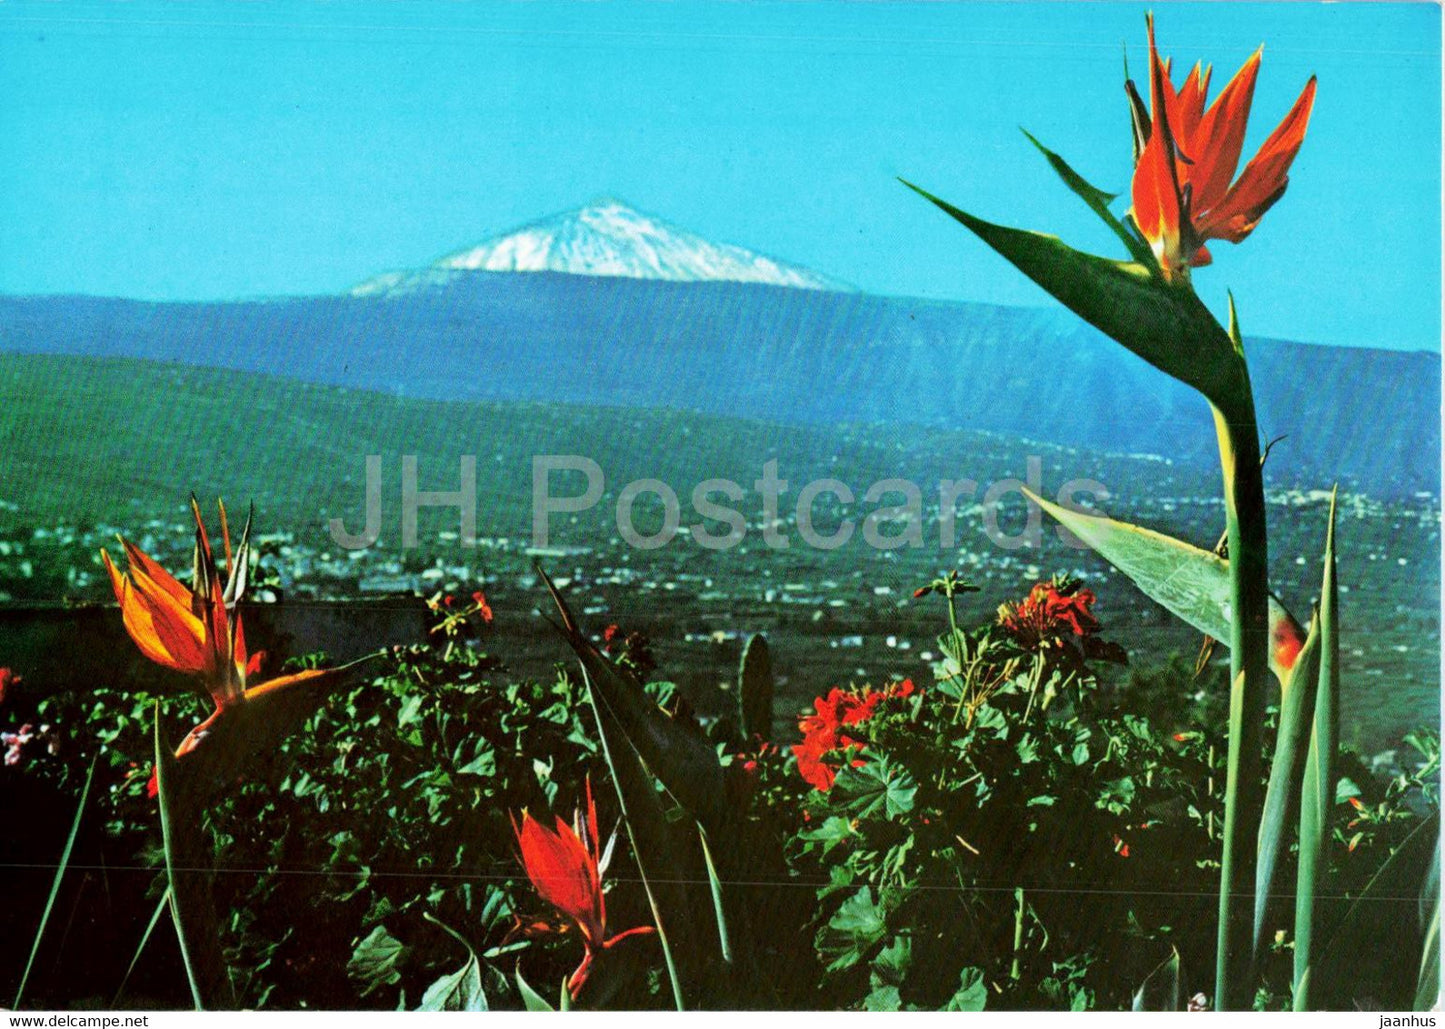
<point x="217" y="151"/>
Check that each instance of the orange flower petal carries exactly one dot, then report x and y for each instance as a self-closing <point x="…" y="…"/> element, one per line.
<point x="142" y="563"/>
<point x="1191" y="105"/>
<point x="563" y="873"/>
<point x="141" y="628"/>
<point x="1155" y="189"/>
<point x="162" y="626"/>
<point x="1264" y="179"/>
<point x="1220" y="137"/>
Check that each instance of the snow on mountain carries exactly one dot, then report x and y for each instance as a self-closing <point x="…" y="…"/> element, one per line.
<point x="606" y="238"/>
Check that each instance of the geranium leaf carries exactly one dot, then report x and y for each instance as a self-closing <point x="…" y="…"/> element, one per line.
<point x="874" y="787"/>
<point x="854" y="930"/>
<point x="374" y="961"/>
<point x="972" y="993"/>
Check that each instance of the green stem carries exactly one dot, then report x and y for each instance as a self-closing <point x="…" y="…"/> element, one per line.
<point x="1016" y="970"/>
<point x="1249" y="670"/>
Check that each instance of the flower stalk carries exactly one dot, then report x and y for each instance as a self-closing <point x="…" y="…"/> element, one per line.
<point x="1249" y="631"/>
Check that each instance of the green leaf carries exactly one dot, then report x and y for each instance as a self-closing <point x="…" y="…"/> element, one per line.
<point x="1192" y="584"/>
<point x="876" y="786"/>
<point x="647" y="831"/>
<point x="1427" y="983"/>
<point x="188" y="862"/>
<point x="162" y="906"/>
<point x="1164" y="324"/>
<point x="833" y="831"/>
<point x="1296" y="717"/>
<point x="1383" y="920"/>
<point x="883" y="998"/>
<point x="991" y="720"/>
<point x="1098" y="202"/>
<point x="855" y="929"/>
<point x="1317" y="793"/>
<point x="687" y="765"/>
<point x="719" y="910"/>
<point x="1162" y="989"/>
<point x="55" y="882"/>
<point x="457" y="991"/>
<point x="531" y="999"/>
<point x="374" y="961"/>
<point x="484" y="764"/>
<point x="893" y="961"/>
<point x="972" y="992"/>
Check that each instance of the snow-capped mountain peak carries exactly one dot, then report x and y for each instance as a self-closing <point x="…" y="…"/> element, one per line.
<point x="607" y="237"/>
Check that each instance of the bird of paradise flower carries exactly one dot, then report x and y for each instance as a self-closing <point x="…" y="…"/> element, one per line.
<point x="566" y="866"/>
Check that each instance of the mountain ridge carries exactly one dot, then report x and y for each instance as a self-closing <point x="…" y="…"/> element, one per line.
<point x="782" y="355"/>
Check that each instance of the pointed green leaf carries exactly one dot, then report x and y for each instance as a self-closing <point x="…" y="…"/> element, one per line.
<point x="531" y="999"/>
<point x="1380" y="921"/>
<point x="1317" y="794"/>
<point x="1163" y="988"/>
<point x="1286" y="773"/>
<point x="162" y="906"/>
<point x="719" y="908"/>
<point x="1427" y="983"/>
<point x="647" y="831"/>
<point x="55" y="883"/>
<point x="1191" y="583"/>
<point x="684" y="761"/>
<point x="1098" y="202"/>
<point x="1165" y="324"/>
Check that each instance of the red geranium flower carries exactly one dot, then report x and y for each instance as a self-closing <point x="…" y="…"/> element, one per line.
<point x="1051" y="611"/>
<point x="823" y="730"/>
<point x="483" y="608"/>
